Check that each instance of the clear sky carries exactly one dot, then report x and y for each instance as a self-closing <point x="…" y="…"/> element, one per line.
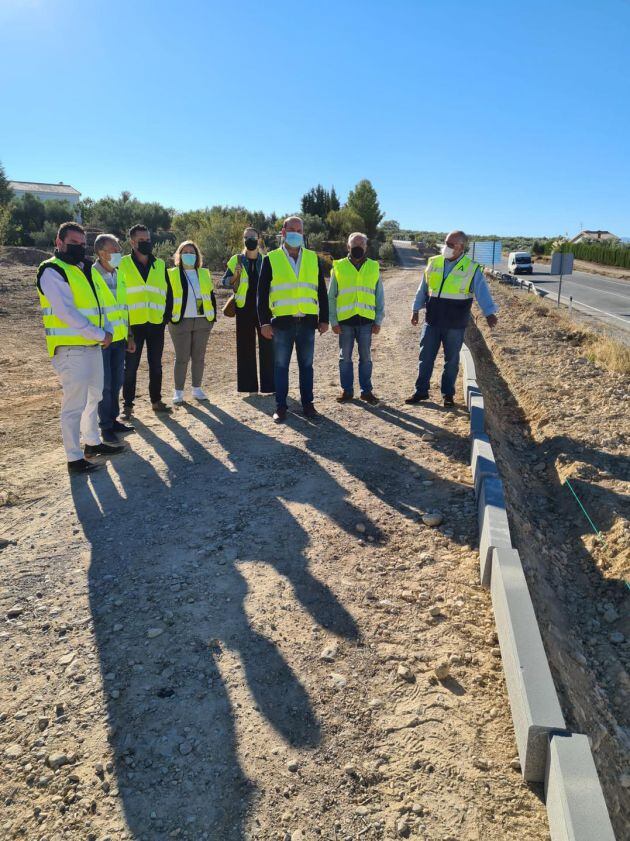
<point x="497" y="117"/>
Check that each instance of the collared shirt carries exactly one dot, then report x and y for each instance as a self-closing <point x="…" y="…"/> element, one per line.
<point x="194" y="295"/>
<point x="333" y="291"/>
<point x="480" y="289"/>
<point x="61" y="300"/>
<point x="294" y="263"/>
<point x="111" y="279"/>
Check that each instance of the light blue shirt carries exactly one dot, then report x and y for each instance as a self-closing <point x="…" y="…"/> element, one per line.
<point x="333" y="291"/>
<point x="480" y="290"/>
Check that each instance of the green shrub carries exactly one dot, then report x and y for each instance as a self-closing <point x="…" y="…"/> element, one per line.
<point x="387" y="253"/>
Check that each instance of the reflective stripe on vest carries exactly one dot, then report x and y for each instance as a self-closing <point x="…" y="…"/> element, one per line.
<point x="291" y="295"/>
<point x="86" y="300"/>
<point x="146" y="302"/>
<point x="113" y="305"/>
<point x="243" y="286"/>
<point x="205" y="286"/>
<point x="356" y="290"/>
<point x="457" y="286"/>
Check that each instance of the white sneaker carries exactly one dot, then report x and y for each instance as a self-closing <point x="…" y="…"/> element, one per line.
<point x="178" y="397"/>
<point x="199" y="394"/>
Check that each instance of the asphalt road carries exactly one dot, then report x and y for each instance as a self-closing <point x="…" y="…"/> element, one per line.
<point x="604" y="298"/>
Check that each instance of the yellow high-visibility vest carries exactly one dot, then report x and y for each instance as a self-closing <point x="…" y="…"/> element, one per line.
<point x="114" y="306"/>
<point x="356" y="289"/>
<point x="243" y="286"/>
<point x="146" y="301"/>
<point x="291" y="295"/>
<point x="457" y="286"/>
<point x="205" y="285"/>
<point x="86" y="300"/>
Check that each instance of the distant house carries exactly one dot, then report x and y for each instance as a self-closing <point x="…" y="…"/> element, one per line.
<point x="595" y="236"/>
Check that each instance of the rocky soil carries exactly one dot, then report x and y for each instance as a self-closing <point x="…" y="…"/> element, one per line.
<point x="237" y="631"/>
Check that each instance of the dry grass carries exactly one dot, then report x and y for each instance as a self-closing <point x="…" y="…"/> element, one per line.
<point x="609" y="353"/>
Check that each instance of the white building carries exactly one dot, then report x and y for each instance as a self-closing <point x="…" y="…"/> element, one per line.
<point x="595" y="236"/>
<point x="46" y="192"/>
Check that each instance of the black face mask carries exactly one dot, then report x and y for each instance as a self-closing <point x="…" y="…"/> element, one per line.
<point x="357" y="251"/>
<point x="72" y="254"/>
<point x="251" y="243"/>
<point x="145" y="247"/>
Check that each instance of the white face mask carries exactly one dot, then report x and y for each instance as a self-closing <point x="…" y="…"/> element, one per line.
<point x="448" y="252"/>
<point x="114" y="259"/>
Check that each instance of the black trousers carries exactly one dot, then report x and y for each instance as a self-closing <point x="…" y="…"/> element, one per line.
<point x="153" y="336"/>
<point x="247" y="329"/>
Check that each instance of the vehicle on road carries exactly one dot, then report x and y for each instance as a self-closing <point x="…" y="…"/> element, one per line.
<point x="520" y="262"/>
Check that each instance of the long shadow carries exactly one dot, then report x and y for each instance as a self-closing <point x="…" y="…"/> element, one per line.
<point x="442" y="439"/>
<point x="378" y="467"/>
<point x="167" y="601"/>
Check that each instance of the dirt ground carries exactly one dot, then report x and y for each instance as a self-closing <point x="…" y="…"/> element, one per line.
<point x="230" y="631"/>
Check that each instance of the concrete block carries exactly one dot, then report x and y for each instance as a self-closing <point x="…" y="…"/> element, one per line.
<point x="535" y="707"/>
<point x="468" y="363"/>
<point x="477" y="413"/>
<point x="471" y="387"/>
<point x="494" y="529"/>
<point x="482" y="463"/>
<point x="573" y="794"/>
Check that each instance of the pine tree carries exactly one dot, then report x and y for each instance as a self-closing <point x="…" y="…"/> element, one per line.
<point x="364" y="201"/>
<point x="6" y="193"/>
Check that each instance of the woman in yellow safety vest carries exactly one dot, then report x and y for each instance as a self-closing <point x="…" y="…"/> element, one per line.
<point x="193" y="317"/>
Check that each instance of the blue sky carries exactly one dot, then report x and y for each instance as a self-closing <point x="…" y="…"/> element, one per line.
<point x="495" y="117"/>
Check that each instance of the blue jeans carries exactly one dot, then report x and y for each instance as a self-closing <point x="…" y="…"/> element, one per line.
<point x="451" y="338"/>
<point x="284" y="339"/>
<point x="113" y="376"/>
<point x="362" y="334"/>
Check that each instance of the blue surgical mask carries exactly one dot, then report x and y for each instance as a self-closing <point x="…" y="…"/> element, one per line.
<point x="189" y="260"/>
<point x="115" y="258"/>
<point x="294" y="239"/>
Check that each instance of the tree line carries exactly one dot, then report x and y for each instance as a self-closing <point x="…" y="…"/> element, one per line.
<point x="28" y="221"/>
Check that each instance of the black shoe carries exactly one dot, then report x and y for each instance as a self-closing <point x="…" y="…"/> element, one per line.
<point x="160" y="407"/>
<point x="81" y="466"/>
<point x="279" y="416"/>
<point x="417" y="396"/>
<point x="123" y="427"/>
<point x="127" y="411"/>
<point x="109" y="436"/>
<point x="448" y="400"/>
<point x="91" y="450"/>
<point x="310" y="411"/>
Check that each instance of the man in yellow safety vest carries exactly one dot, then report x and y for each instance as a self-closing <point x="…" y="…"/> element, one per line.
<point x="149" y="302"/>
<point x="450" y="282"/>
<point x="356" y="305"/>
<point x="292" y="304"/>
<point x="74" y="307"/>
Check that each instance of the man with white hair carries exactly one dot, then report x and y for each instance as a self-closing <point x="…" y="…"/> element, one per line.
<point x="292" y="303"/>
<point x="356" y="305"/>
<point x="108" y="256"/>
<point x="450" y="282"/>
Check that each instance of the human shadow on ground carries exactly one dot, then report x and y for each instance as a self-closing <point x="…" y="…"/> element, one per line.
<point x="167" y="601"/>
<point x="387" y="473"/>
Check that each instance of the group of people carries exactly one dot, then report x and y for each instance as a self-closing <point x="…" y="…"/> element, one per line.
<point x="99" y="315"/>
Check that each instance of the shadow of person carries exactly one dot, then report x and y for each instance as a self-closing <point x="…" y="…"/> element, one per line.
<point x="166" y="611"/>
<point x="385" y="472"/>
<point x="267" y="530"/>
<point x="439" y="438"/>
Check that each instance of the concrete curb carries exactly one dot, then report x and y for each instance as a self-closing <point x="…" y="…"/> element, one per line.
<point x="547" y="750"/>
<point x="574" y="800"/>
<point x="535" y="708"/>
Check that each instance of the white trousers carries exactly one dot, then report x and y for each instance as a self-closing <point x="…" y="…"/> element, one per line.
<point x="80" y="370"/>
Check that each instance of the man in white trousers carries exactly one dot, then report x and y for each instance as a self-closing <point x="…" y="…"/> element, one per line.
<point x="76" y="326"/>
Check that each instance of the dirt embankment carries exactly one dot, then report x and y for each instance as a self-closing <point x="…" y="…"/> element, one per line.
<point x="561" y="424"/>
<point x="230" y="632"/>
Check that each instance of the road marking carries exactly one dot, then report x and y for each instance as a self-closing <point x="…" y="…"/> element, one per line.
<point x="609" y="314"/>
